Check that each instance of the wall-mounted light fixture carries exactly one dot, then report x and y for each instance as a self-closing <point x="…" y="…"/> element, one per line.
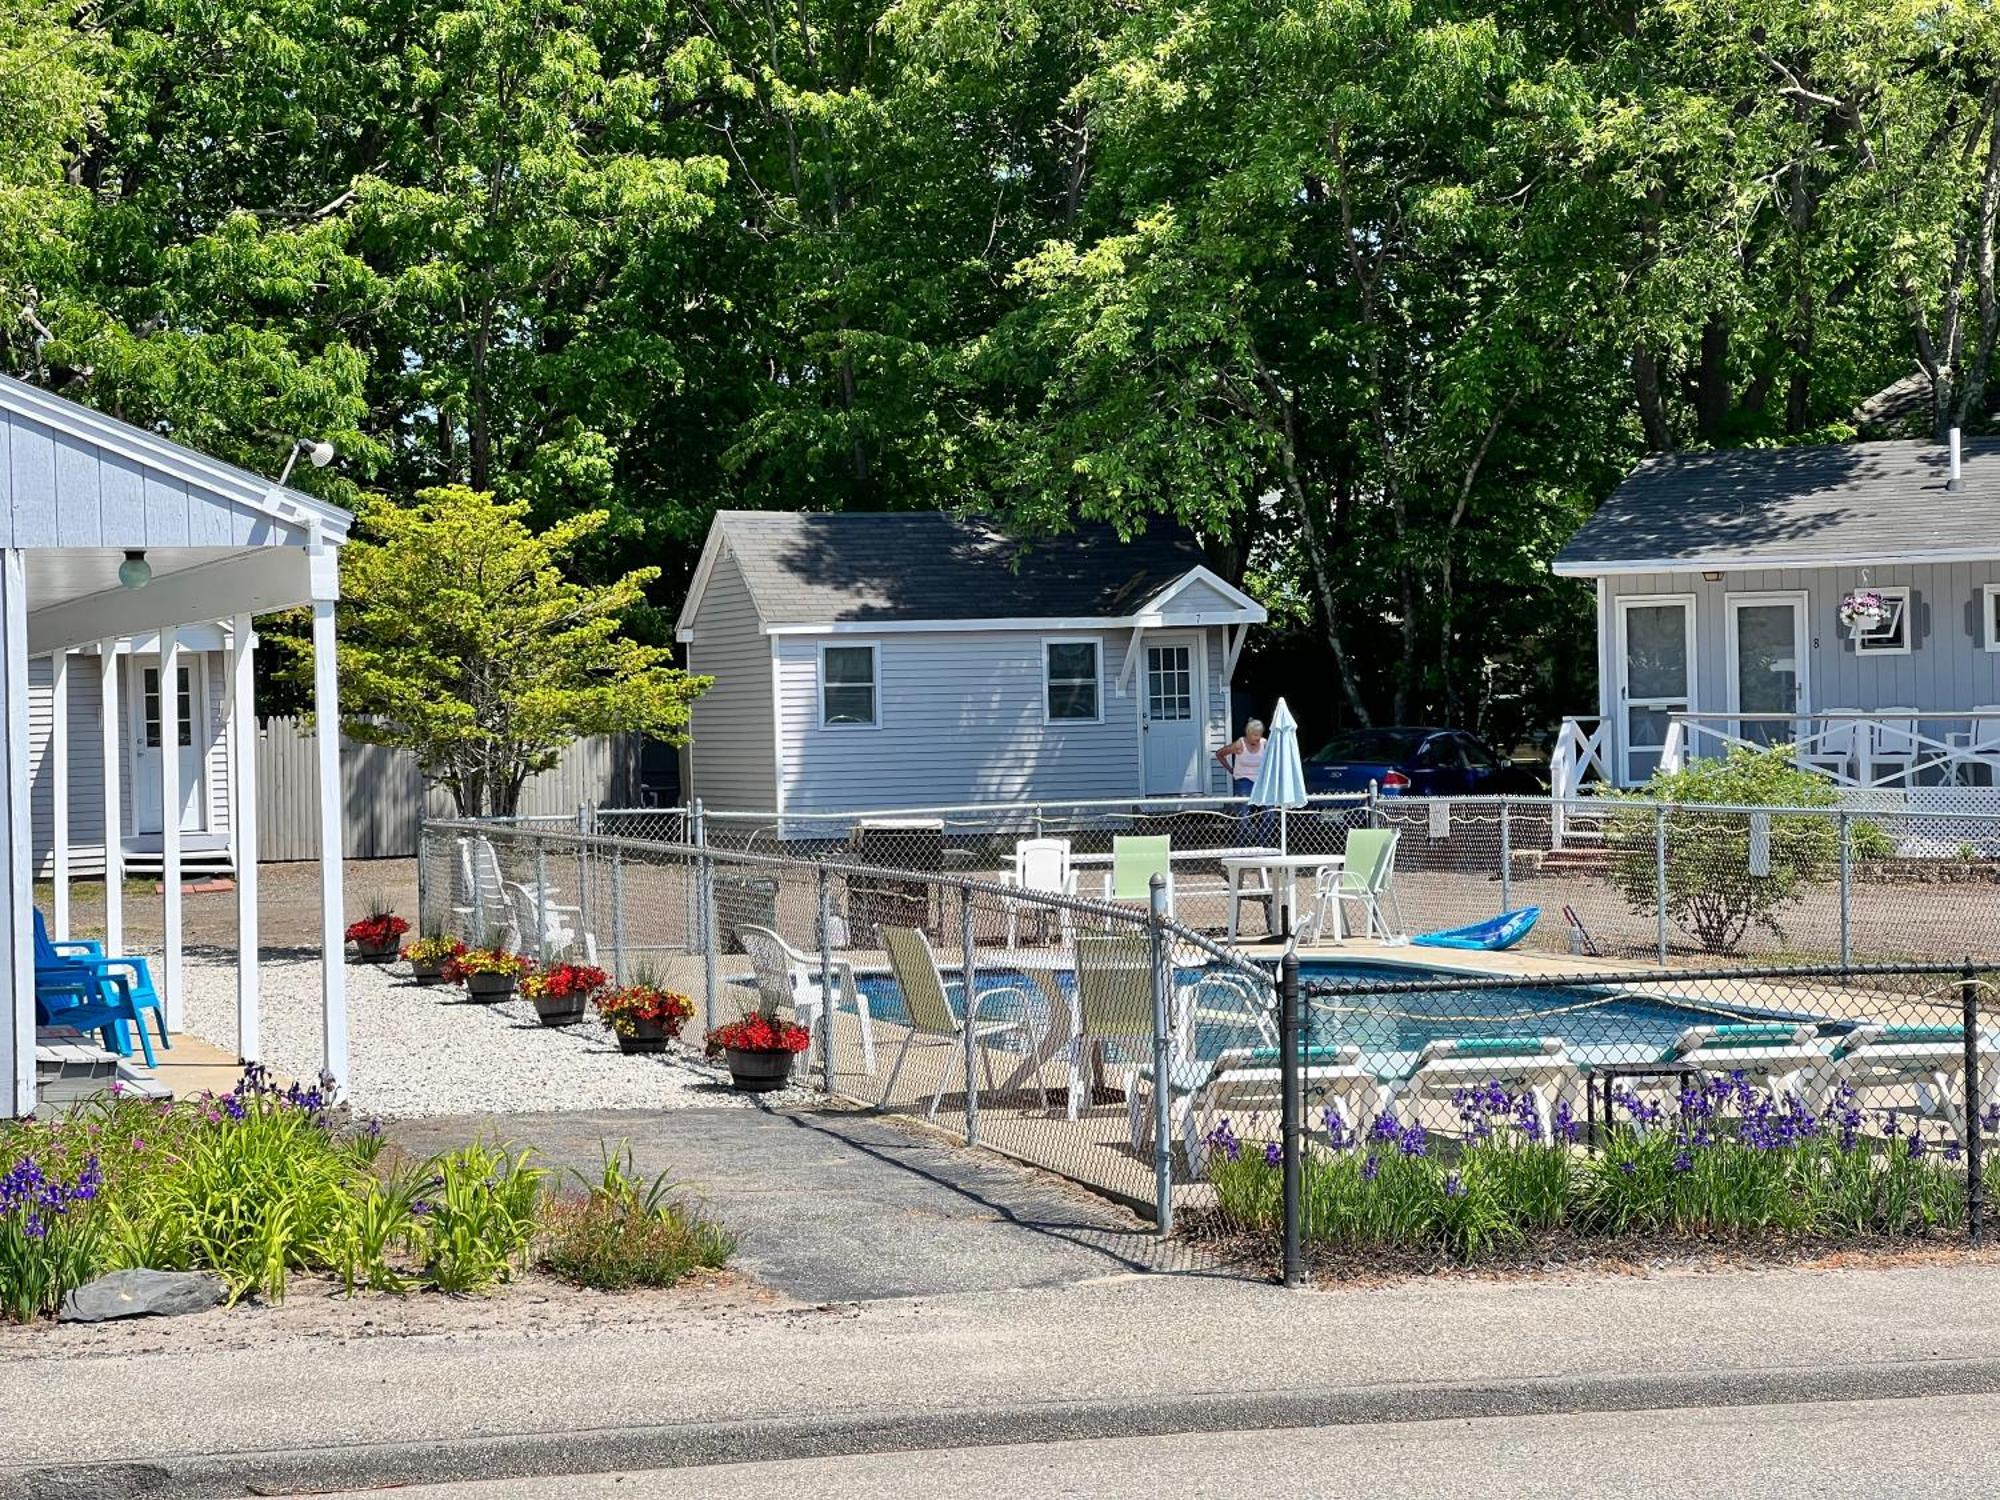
<point x="1712" y="577"/>
<point x="135" y="572"/>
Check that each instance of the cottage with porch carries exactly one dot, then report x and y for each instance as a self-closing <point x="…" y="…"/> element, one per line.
<point x="867" y="661"/>
<point x="1844" y="599"/>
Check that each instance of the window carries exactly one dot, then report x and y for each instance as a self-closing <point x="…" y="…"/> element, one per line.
<point x="1477" y="756"/>
<point x="184" y="729"/>
<point x="1070" y="681"/>
<point x="847" y="686"/>
<point x="1892" y="637"/>
<point x="1989" y="598"/>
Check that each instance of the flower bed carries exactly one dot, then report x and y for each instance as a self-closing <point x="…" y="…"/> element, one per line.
<point x="1723" y="1161"/>
<point x="262" y="1182"/>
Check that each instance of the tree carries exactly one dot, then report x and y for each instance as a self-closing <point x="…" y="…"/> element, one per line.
<point x="464" y="642"/>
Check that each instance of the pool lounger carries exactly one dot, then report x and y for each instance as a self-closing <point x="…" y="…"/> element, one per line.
<point x="1540" y="1065"/>
<point x="1930" y="1057"/>
<point x="1245" y="1082"/>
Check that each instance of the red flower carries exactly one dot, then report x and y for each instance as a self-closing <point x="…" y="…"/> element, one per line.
<point x="378" y="931"/>
<point x="757" y="1032"/>
<point x="561" y="981"/>
<point x="623" y="1008"/>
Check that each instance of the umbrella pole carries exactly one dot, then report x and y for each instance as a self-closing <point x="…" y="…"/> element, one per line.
<point x="1283" y="846"/>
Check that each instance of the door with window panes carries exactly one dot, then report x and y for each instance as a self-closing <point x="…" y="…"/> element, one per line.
<point x="1170" y="715"/>
<point x="191" y="738"/>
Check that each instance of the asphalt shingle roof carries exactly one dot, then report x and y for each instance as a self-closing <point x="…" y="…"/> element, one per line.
<point x="807" y="568"/>
<point x="1795" y="507"/>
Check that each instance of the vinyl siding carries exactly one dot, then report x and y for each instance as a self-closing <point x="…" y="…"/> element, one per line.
<point x="1200" y="598"/>
<point x="1947" y="668"/>
<point x="730" y="731"/>
<point x="961" y="720"/>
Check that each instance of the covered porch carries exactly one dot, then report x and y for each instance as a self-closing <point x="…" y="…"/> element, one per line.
<point x="118" y="540"/>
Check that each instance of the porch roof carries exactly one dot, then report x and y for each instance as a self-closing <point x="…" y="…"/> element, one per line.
<point x="1831" y="505"/>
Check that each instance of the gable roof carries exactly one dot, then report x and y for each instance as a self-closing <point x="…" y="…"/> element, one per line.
<point x="1832" y="505"/>
<point x="224" y="482"/>
<point x="811" y="571"/>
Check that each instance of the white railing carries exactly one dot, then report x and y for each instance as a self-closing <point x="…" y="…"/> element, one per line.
<point x="1883" y="749"/>
<point x="1581" y="754"/>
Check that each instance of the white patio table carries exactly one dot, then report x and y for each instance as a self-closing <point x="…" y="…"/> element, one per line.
<point x="1286" y="868"/>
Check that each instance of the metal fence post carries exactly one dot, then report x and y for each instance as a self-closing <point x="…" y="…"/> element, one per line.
<point x="1506" y="856"/>
<point x="826" y="995"/>
<point x="1660" y="876"/>
<point x="969" y="972"/>
<point x="1163" y="987"/>
<point x="423" y="877"/>
<point x="584" y="905"/>
<point x="542" y="953"/>
<point x="1846" y="892"/>
<point x="704" y="905"/>
<point x="1293" y="1106"/>
<point x="1975" y="1188"/>
<point x="618" y="971"/>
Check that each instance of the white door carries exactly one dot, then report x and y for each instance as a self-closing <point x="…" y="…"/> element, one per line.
<point x="1655" y="675"/>
<point x="1170" y="725"/>
<point x="192" y="714"/>
<point x="1767" y="664"/>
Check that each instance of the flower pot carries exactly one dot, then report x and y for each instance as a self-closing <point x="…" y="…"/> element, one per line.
<point x="559" y="1010"/>
<point x="759" y="1072"/>
<point x="427" y="973"/>
<point x="644" y="1036"/>
<point x="376" y="953"/>
<point x="488" y="989"/>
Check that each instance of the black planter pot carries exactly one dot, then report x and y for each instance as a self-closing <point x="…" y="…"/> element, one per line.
<point x="646" y="1036"/>
<point x="759" y="1072"/>
<point x="376" y="953"/>
<point x="489" y="989"/>
<point x="565" y="1010"/>
<point x="432" y="973"/>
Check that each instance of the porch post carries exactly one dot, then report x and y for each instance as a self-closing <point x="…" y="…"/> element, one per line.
<point x="17" y="1035"/>
<point x="112" y="741"/>
<point x="59" y="791"/>
<point x="170" y="816"/>
<point x="332" y="922"/>
<point x="243" y="830"/>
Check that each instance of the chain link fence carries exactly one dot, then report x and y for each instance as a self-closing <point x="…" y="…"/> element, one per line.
<point x="1131" y="1051"/>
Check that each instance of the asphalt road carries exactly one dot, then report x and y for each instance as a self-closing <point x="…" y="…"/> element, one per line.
<point x="1941" y="1447"/>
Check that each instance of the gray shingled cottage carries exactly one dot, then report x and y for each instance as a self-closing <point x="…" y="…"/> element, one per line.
<point x="1845" y="599"/>
<point x="865" y="661"/>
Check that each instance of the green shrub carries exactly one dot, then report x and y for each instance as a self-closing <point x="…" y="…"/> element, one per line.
<point x="622" y="1233"/>
<point x="477" y="1218"/>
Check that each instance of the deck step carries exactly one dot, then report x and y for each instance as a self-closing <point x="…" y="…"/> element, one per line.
<point x="1570" y="860"/>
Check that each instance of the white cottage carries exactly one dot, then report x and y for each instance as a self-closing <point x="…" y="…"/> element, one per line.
<point x="116" y="545"/>
<point x="869" y="660"/>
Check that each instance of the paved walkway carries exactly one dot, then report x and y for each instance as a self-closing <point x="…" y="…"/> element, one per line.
<point x="844" y="1207"/>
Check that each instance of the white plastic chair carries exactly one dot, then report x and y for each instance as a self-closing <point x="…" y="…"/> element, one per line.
<point x="1978" y="746"/>
<point x="1540" y="1066"/>
<point x="543" y="926"/>
<point x="481" y="899"/>
<point x="787" y="977"/>
<point x="1834" y="746"/>
<point x="1891" y="742"/>
<point x="1041" y="866"/>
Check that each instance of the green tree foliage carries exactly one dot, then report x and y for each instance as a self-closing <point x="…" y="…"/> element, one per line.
<point x="1714" y="890"/>
<point x="466" y="644"/>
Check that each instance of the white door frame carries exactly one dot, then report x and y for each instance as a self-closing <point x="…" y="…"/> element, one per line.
<point x="1197" y="643"/>
<point x="1622" y="661"/>
<point x="200" y="736"/>
<point x="1801" y="672"/>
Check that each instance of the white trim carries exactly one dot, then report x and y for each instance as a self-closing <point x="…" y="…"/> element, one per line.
<point x="170" y="808"/>
<point x="223" y="481"/>
<point x="241" y="712"/>
<point x="1766" y="564"/>
<point x="1989" y="595"/>
<point x="711" y="551"/>
<point x="58" y="752"/>
<point x="874" y="649"/>
<point x="1232" y="650"/>
<point x="1096" y="643"/>
<point x="1202" y="574"/>
<point x="202" y="733"/>
<point x="111" y="743"/>
<point x="252" y="580"/>
<point x="777" y="731"/>
<point x="1801" y="603"/>
<point x="1143" y="621"/>
<point x="1621" y="659"/>
<point x="1900" y="592"/>
<point x="20" y="849"/>
<point x="332" y="923"/>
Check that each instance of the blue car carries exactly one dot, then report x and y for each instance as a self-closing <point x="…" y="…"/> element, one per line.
<point x="1413" y="762"/>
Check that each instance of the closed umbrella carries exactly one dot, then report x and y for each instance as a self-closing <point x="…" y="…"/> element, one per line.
<point x="1281" y="779"/>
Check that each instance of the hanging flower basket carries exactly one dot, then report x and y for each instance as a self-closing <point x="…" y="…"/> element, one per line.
<point x="1864" y="611"/>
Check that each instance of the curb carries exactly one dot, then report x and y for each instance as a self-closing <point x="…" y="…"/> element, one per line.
<point x="604" y="1450"/>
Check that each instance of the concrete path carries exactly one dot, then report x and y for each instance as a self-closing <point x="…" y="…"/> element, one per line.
<point x="1943" y="1448"/>
<point x="1115" y="1357"/>
<point x="843" y="1207"/>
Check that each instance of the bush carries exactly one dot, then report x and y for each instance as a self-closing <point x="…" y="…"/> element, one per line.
<point x="1710" y="893"/>
<point x="616" y="1235"/>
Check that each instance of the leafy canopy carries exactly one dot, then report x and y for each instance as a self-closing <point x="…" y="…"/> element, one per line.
<point x="464" y="642"/>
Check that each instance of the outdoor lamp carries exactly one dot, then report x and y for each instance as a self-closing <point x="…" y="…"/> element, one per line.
<point x="135" y="572"/>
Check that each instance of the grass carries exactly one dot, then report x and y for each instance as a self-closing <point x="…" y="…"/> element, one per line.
<point x="619" y="1233"/>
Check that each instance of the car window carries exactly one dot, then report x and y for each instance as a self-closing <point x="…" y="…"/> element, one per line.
<point x="1391" y="746"/>
<point x="1476" y="754"/>
<point x="1440" y="753"/>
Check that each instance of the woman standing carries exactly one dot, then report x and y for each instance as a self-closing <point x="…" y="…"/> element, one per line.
<point x="1243" y="759"/>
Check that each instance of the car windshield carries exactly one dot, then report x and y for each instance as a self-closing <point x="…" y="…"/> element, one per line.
<point x="1391" y="746"/>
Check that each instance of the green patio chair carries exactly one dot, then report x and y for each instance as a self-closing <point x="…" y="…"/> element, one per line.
<point x="1365" y="878"/>
<point x="927" y="1002"/>
<point x="1135" y="860"/>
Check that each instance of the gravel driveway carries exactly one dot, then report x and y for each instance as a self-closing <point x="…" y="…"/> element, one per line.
<point x="425" y="1051"/>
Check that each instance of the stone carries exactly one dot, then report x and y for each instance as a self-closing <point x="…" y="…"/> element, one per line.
<point x="138" y="1294"/>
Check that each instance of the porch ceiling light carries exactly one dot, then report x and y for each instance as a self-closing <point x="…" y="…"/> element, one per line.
<point x="135" y="572"/>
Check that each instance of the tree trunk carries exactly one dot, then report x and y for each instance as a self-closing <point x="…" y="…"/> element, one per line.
<point x="1652" y="412"/>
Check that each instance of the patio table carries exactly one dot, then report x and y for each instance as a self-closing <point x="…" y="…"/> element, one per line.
<point x="1044" y="967"/>
<point x="1286" y="867"/>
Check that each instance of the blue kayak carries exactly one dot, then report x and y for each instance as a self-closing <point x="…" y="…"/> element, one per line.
<point x="1491" y="935"/>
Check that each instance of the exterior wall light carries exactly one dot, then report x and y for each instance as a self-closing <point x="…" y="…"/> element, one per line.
<point x="135" y="572"/>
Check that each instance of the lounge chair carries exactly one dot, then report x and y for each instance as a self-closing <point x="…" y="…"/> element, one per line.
<point x="1364" y="878"/>
<point x="1539" y="1065"/>
<point x="1247" y="1082"/>
<point x="927" y="1004"/>
<point x="120" y="985"/>
<point x="787" y="977"/>
<point x="544" y="927"/>
<point x="1930" y="1057"/>
<point x="1774" y="1053"/>
<point x="1041" y="866"/>
<point x="1114" y="1001"/>
<point x="1135" y="860"/>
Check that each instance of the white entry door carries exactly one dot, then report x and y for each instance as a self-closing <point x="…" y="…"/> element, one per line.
<point x="1170" y="716"/>
<point x="192" y="738"/>
<point x="1767" y="664"/>
<point x="1655" y="676"/>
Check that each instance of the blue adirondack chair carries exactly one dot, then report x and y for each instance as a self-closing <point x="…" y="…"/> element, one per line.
<point x="121" y="987"/>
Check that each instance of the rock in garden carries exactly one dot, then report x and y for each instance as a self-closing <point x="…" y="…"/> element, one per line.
<point x="138" y="1294"/>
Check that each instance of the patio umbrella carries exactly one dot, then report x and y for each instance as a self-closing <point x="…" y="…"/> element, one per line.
<point x="1281" y="779"/>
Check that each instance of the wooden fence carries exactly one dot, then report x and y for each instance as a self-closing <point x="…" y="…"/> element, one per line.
<point x="384" y="795"/>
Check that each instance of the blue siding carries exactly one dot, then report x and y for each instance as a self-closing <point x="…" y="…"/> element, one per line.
<point x="731" y="754"/>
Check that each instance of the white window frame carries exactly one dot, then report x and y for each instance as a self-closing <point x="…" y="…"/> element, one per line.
<point x="874" y="650"/>
<point x="1989" y="599"/>
<point x="1096" y="643"/>
<point x="1899" y="595"/>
